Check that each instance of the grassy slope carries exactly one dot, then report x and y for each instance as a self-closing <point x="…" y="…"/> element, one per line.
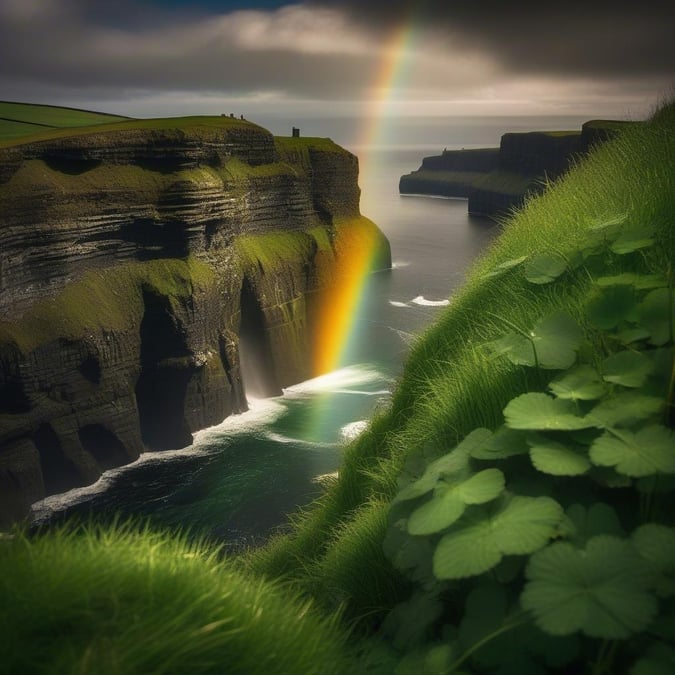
<point x="126" y="600"/>
<point x="25" y="119"/>
<point x="450" y="386"/>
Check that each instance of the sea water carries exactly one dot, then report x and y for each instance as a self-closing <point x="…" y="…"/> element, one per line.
<point x="239" y="481"/>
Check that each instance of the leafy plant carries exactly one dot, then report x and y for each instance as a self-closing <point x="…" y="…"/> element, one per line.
<point x="539" y="509"/>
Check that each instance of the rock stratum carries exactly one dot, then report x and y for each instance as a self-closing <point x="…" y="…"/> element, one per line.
<point x="497" y="180"/>
<point x="144" y="266"/>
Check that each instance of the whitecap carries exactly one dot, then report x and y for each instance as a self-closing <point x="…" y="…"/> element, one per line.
<point x="337" y="380"/>
<point x="399" y="264"/>
<point x="288" y="440"/>
<point x="421" y="300"/>
<point x="350" y="431"/>
<point x="398" y="303"/>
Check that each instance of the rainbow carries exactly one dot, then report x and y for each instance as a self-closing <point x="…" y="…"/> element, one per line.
<point x="358" y="243"/>
<point x="358" y="251"/>
<point x="391" y="74"/>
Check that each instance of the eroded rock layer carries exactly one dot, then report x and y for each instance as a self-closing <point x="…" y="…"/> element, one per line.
<point x="136" y="267"/>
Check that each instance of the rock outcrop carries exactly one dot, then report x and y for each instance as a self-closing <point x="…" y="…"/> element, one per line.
<point x="137" y="266"/>
<point x="497" y="180"/>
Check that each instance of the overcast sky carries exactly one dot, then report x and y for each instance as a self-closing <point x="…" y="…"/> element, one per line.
<point x="163" y="57"/>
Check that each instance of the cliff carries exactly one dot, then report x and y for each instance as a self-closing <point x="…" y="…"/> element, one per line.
<point x="143" y="266"/>
<point x="497" y="180"/>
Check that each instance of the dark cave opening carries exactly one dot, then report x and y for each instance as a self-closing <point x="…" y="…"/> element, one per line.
<point x="58" y="471"/>
<point x="104" y="445"/>
<point x="165" y="373"/>
<point x="255" y="354"/>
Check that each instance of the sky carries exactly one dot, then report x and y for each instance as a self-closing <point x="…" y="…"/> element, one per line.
<point x="347" y="58"/>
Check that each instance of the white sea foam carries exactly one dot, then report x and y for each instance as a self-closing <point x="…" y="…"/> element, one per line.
<point x="350" y="431"/>
<point x="336" y="381"/>
<point x="288" y="440"/>
<point x="398" y="303"/>
<point x="398" y="264"/>
<point x="260" y="413"/>
<point x="421" y="300"/>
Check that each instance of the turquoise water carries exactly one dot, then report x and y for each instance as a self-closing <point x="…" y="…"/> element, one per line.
<point x="239" y="481"/>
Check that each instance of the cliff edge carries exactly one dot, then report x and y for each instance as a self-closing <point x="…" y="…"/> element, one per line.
<point x="149" y="271"/>
<point x="498" y="180"/>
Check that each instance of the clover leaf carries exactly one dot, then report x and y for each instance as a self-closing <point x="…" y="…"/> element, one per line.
<point x="648" y="451"/>
<point x="450" y="501"/>
<point x="517" y="526"/>
<point x="601" y="590"/>
<point x="627" y="368"/>
<point x="583" y="383"/>
<point x="539" y="411"/>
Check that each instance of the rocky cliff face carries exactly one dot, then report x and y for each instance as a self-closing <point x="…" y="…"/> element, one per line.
<point x="497" y="180"/>
<point x="136" y="267"/>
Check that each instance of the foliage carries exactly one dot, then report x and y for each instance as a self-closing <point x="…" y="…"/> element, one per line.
<point x="574" y="535"/>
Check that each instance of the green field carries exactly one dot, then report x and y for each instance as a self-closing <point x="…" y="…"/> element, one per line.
<point x="24" y="119"/>
<point x="511" y="512"/>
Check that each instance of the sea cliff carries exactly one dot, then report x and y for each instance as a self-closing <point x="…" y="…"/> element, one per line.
<point x="144" y="266"/>
<point x="497" y="180"/>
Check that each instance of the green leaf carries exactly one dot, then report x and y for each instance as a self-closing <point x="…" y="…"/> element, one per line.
<point x="599" y="518"/>
<point x="610" y="306"/>
<point x="503" y="443"/>
<point x="450" y="501"/>
<point x="539" y="411"/>
<point x="630" y="335"/>
<point x="656" y="544"/>
<point x="583" y="383"/>
<point x="500" y="269"/>
<point x="520" y="525"/>
<point x="624" y="409"/>
<point x="657" y="314"/>
<point x="639" y="281"/>
<point x="443" y="509"/>
<point x="601" y="590"/>
<point x="651" y="450"/>
<point x="554" y="338"/>
<point x="633" y="239"/>
<point x="554" y="458"/>
<point x="627" y="368"/>
<point x="545" y="268"/>
<point x="456" y="461"/>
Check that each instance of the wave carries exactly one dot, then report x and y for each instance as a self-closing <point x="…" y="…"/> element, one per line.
<point x="399" y="264"/>
<point x="336" y="381"/>
<point x="398" y="303"/>
<point x="421" y="300"/>
<point x="288" y="440"/>
<point x="352" y="430"/>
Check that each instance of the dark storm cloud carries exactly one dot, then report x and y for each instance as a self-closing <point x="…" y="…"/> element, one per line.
<point x="586" y="38"/>
<point x="132" y="45"/>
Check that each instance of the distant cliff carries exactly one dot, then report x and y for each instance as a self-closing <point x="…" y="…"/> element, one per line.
<point x="143" y="266"/>
<point x="497" y="180"/>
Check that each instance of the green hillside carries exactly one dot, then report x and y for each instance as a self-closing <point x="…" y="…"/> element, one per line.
<point x="24" y="119"/>
<point x="511" y="512"/>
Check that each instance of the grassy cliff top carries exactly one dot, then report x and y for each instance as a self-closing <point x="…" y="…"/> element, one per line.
<point x="194" y="124"/>
<point x="25" y="119"/>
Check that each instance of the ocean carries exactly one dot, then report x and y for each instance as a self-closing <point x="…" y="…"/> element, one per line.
<point x="239" y="481"/>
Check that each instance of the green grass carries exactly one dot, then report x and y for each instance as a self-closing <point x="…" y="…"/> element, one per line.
<point x="25" y="119"/>
<point x="450" y="385"/>
<point x="194" y="123"/>
<point x="123" y="599"/>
